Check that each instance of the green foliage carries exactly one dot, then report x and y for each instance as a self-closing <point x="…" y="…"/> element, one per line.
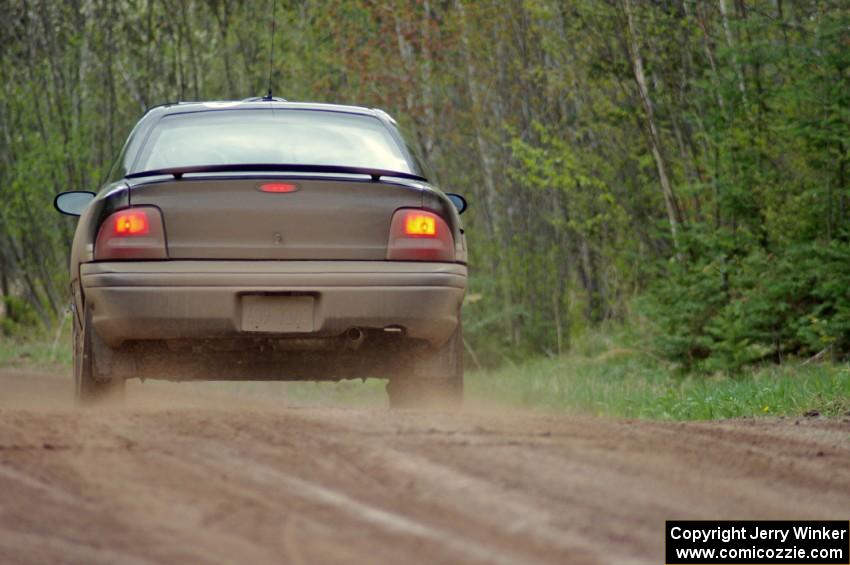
<point x="558" y="119"/>
<point x="27" y="352"/>
<point x="610" y="374"/>
<point x="738" y="304"/>
<point x="24" y="319"/>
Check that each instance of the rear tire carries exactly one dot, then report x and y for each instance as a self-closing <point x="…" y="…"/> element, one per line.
<point x="92" y="383"/>
<point x="434" y="380"/>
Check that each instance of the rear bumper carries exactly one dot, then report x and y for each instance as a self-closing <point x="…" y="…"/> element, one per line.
<point x="155" y="300"/>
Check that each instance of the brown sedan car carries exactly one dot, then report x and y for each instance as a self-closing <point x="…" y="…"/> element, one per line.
<point x="268" y="240"/>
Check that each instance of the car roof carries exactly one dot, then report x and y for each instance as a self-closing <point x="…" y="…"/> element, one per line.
<point x="261" y="104"/>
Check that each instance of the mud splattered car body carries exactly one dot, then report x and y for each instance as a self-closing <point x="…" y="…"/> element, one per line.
<point x="268" y="240"/>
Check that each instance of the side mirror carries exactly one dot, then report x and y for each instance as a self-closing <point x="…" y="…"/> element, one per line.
<point x="73" y="202"/>
<point x="459" y="202"/>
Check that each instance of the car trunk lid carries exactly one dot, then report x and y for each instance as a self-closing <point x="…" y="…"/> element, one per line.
<point x="233" y="218"/>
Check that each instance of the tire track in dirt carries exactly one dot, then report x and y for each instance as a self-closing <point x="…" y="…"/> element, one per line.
<point x="178" y="475"/>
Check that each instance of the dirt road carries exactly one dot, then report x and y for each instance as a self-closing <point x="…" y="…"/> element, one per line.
<point x="182" y="476"/>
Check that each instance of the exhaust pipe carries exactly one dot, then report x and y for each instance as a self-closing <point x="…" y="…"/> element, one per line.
<point x="354" y="338"/>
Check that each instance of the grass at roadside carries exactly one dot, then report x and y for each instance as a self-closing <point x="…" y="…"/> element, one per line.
<point x="36" y="353"/>
<point x="605" y="378"/>
<point x="605" y="374"/>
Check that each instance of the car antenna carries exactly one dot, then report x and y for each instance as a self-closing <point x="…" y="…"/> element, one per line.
<point x="268" y="97"/>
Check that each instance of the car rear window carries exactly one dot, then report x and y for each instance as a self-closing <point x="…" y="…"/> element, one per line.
<point x="274" y="136"/>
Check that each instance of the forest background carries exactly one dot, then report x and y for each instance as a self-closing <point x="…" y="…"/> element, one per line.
<point x="675" y="169"/>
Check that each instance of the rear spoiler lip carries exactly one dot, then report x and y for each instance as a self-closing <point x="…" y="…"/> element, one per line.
<point x="178" y="172"/>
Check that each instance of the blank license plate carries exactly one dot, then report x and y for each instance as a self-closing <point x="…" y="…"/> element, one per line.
<point x="277" y="314"/>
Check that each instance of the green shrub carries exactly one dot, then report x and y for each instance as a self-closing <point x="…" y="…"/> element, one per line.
<point x="740" y="304"/>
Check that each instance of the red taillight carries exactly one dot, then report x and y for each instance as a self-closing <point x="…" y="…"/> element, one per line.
<point x="278" y="187"/>
<point x="132" y="233"/>
<point x="419" y="235"/>
<point x="420" y="224"/>
<point x="129" y="222"/>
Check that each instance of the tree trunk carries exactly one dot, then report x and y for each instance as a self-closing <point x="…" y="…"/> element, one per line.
<point x="6" y="305"/>
<point x="730" y="42"/>
<point x="488" y="171"/>
<point x="674" y="213"/>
